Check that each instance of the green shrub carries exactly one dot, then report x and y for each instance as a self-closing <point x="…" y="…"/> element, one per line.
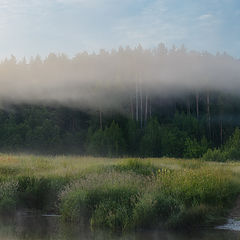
<point x="106" y="198"/>
<point x="200" y="186"/>
<point x="144" y="214"/>
<point x="197" y="194"/>
<point x="108" y="142"/>
<point x="172" y="141"/>
<point x="73" y="206"/>
<point x="232" y="146"/>
<point x="39" y="193"/>
<point x="155" y="209"/>
<point x="115" y="209"/>
<point x="185" y="198"/>
<point x="232" y="153"/>
<point x="195" y="149"/>
<point x="111" y="215"/>
<point x="109" y="207"/>
<point x="189" y="217"/>
<point x="215" y="155"/>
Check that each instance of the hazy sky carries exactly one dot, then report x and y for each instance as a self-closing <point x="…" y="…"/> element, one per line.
<point x="29" y="27"/>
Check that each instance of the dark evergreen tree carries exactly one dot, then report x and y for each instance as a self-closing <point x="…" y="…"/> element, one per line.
<point x="151" y="141"/>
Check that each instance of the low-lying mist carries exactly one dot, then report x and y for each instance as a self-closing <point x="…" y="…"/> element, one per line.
<point x="112" y="80"/>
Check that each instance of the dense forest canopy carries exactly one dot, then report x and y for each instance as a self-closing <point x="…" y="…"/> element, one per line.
<point x="142" y="102"/>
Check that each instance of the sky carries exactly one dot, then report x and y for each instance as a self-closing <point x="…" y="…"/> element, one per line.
<point x="31" y="27"/>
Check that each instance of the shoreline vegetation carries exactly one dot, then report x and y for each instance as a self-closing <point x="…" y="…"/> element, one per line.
<point x="120" y="194"/>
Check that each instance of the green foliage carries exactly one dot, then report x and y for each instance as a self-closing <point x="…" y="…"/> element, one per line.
<point x="46" y="136"/>
<point x="39" y="193"/>
<point x="114" y="141"/>
<point x="120" y="195"/>
<point x="232" y="146"/>
<point x="122" y="201"/>
<point x="107" y="198"/>
<point x="199" y="194"/>
<point x="108" y="142"/>
<point x="115" y="209"/>
<point x="230" y="151"/>
<point x="109" y="207"/>
<point x="188" y="217"/>
<point x="8" y="196"/>
<point x="73" y="207"/>
<point x="216" y="155"/>
<point x="95" y="143"/>
<point x="32" y="192"/>
<point x="8" y="171"/>
<point x="38" y="128"/>
<point x="155" y="209"/>
<point x="189" y="124"/>
<point x="132" y="137"/>
<point x="195" y="149"/>
<point x="171" y="132"/>
<point x="201" y="186"/>
<point x="137" y="166"/>
<point x="150" y="144"/>
<point x="172" y="142"/>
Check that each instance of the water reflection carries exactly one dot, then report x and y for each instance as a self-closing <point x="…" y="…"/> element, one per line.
<point x="29" y="227"/>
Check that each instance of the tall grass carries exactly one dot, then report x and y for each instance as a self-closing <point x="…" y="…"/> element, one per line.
<point x="120" y="194"/>
<point x="130" y="196"/>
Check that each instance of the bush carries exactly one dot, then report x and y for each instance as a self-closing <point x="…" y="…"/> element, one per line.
<point x="155" y="209"/>
<point x="231" y="149"/>
<point x="109" y="207"/>
<point x="108" y="142"/>
<point x="189" y="217"/>
<point x="195" y="149"/>
<point x="106" y="198"/>
<point x="215" y="155"/>
<point x="73" y="206"/>
<point x="232" y="146"/>
<point x="201" y="186"/>
<point x="173" y="142"/>
<point x="39" y="193"/>
<point x="115" y="209"/>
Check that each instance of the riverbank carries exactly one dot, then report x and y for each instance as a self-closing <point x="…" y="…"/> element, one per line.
<point x="120" y="194"/>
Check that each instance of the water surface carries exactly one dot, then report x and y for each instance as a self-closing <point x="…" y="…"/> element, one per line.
<point x="36" y="227"/>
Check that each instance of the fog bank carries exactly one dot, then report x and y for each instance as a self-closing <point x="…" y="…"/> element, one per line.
<point x="112" y="80"/>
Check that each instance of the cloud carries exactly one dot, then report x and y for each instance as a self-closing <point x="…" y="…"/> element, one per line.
<point x="205" y="17"/>
<point x="153" y="24"/>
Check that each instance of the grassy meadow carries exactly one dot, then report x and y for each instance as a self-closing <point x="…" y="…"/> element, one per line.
<point x="120" y="194"/>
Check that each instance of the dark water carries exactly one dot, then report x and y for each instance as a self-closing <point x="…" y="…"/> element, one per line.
<point x="51" y="228"/>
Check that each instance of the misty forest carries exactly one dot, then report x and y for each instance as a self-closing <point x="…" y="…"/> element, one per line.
<point x="127" y="102"/>
<point x="119" y="120"/>
<point x="119" y="142"/>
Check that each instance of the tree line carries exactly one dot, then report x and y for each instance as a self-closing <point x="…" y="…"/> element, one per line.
<point x="126" y="102"/>
<point x="177" y="127"/>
